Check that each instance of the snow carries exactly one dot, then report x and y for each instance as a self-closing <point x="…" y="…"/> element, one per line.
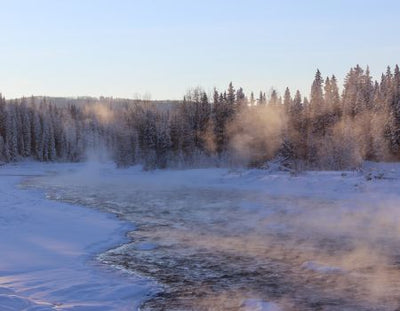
<point x="47" y="250"/>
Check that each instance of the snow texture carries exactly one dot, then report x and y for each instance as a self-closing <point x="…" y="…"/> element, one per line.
<point x="47" y="251"/>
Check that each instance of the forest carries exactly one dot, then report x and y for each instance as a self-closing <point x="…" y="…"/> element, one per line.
<point x="329" y="130"/>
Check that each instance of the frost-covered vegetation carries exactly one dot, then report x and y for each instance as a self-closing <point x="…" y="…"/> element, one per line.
<point x="327" y="131"/>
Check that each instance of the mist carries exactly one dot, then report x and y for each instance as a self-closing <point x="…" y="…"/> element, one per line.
<point x="236" y="238"/>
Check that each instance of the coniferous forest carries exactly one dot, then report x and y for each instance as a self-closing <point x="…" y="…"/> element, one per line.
<point x="330" y="129"/>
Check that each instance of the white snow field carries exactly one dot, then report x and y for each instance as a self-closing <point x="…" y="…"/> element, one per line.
<point x="215" y="239"/>
<point x="47" y="250"/>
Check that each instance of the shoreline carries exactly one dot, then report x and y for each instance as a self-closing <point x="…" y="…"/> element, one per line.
<point x="52" y="258"/>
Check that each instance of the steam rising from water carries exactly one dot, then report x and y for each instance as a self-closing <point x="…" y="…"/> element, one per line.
<point x="322" y="141"/>
<point x="257" y="132"/>
<point x="101" y="111"/>
<point x="319" y="241"/>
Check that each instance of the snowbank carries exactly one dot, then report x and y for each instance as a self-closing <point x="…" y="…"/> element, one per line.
<point x="47" y="250"/>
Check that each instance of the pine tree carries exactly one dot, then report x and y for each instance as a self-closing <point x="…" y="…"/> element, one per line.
<point x="26" y="130"/>
<point x="3" y="157"/>
<point x="317" y="98"/>
<point x="11" y="134"/>
<point x="335" y="104"/>
<point x="3" y="123"/>
<point x="36" y="132"/>
<point x="328" y="94"/>
<point x="163" y="143"/>
<point x="262" y="99"/>
<point x="175" y="134"/>
<point x="297" y="105"/>
<point x="215" y="97"/>
<point x="274" y="100"/>
<point x="231" y="98"/>
<point x="219" y="124"/>
<point x="396" y="84"/>
<point x="241" y="101"/>
<point x="252" y="100"/>
<point x="51" y="142"/>
<point x="287" y="100"/>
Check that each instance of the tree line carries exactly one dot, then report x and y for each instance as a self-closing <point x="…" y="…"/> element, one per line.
<point x="328" y="130"/>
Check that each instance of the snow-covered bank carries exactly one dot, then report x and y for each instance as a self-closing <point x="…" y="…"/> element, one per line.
<point x="47" y="250"/>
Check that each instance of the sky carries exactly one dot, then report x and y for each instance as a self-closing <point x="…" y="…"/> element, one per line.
<point x="162" y="48"/>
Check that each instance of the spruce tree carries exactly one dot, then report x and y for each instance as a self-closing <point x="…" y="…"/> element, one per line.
<point x="287" y="100"/>
<point x="252" y="100"/>
<point x="317" y="98"/>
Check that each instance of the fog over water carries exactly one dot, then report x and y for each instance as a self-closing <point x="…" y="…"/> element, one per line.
<point x="242" y="240"/>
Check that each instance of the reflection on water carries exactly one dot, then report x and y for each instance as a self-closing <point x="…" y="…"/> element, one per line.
<point x="222" y="249"/>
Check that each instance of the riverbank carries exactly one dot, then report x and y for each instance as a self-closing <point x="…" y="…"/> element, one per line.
<point x="48" y="251"/>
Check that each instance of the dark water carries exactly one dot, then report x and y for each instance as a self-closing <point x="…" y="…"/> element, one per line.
<point x="214" y="249"/>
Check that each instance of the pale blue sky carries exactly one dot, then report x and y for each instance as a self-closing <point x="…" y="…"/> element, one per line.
<point x="121" y="48"/>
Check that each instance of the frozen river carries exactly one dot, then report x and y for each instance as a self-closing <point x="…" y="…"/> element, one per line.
<point x="216" y="239"/>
